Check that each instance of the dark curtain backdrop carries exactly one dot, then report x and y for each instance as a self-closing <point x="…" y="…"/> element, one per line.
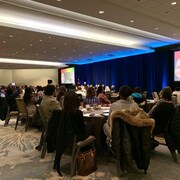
<point x="151" y="72"/>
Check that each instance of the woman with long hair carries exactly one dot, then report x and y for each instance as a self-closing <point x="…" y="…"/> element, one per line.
<point x="104" y="101"/>
<point x="71" y="124"/>
<point x="30" y="101"/>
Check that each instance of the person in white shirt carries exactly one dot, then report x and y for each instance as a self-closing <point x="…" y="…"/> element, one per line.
<point x="124" y="103"/>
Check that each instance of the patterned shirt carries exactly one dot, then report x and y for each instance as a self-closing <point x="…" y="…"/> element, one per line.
<point x="91" y="100"/>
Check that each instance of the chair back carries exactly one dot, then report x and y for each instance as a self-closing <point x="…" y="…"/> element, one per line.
<point x="42" y="144"/>
<point x="42" y="115"/>
<point x="4" y="108"/>
<point x="22" y="113"/>
<point x="21" y="106"/>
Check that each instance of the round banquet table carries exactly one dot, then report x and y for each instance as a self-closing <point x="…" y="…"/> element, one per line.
<point x="97" y="117"/>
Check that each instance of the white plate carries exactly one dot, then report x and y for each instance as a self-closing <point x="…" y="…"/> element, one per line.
<point x="106" y="114"/>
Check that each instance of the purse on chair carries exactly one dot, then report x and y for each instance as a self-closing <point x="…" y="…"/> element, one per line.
<point x="86" y="162"/>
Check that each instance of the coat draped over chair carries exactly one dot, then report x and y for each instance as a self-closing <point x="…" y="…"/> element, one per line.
<point x="131" y="137"/>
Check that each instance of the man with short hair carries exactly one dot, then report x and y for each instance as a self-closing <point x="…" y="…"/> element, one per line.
<point x="49" y="102"/>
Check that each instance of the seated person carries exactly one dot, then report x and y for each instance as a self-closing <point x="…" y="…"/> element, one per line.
<point x="12" y="93"/>
<point x="162" y="111"/>
<point x="69" y="122"/>
<point x="124" y="103"/>
<point x="102" y="97"/>
<point x="60" y="95"/>
<point x="80" y="91"/>
<point x="139" y="98"/>
<point x="49" y="102"/>
<point x="29" y="100"/>
<point x="91" y="97"/>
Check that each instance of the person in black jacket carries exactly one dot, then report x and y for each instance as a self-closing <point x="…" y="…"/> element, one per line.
<point x="12" y="93"/>
<point x="162" y="111"/>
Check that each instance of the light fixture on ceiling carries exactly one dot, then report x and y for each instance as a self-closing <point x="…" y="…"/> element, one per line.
<point x="31" y="15"/>
<point x="42" y="63"/>
<point x="173" y="3"/>
<point x="101" y="12"/>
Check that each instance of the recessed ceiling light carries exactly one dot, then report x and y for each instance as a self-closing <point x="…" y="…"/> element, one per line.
<point x="40" y="40"/>
<point x="132" y="21"/>
<point x="101" y="12"/>
<point x="30" y="45"/>
<point x="37" y="54"/>
<point x="10" y="36"/>
<point x="156" y="28"/>
<point x="50" y="37"/>
<point x="74" y="50"/>
<point x="58" y="0"/>
<point x="44" y="51"/>
<point x="4" y="42"/>
<point x="173" y="3"/>
<point x="54" y="47"/>
<point x="23" y="49"/>
<point x="174" y="34"/>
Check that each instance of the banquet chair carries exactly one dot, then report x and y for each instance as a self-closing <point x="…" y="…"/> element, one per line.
<point x="9" y="115"/>
<point x="22" y="113"/>
<point x="42" y="144"/>
<point x="76" y="149"/>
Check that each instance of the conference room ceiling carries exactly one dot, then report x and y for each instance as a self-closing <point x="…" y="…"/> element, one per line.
<point x="158" y="17"/>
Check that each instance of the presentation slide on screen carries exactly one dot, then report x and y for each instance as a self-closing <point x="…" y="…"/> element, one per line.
<point x="68" y="76"/>
<point x="177" y="66"/>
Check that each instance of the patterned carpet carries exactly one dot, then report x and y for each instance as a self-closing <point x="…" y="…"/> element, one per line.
<point x="20" y="161"/>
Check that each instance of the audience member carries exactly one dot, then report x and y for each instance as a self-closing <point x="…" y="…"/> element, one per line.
<point x="91" y="97"/>
<point x="124" y="103"/>
<point x="61" y="93"/>
<point x="102" y="97"/>
<point x="30" y="101"/>
<point x="139" y="98"/>
<point x="12" y="93"/>
<point x="70" y="123"/>
<point x="112" y="89"/>
<point x="162" y="111"/>
<point x="107" y="89"/>
<point x="49" y="102"/>
<point x="80" y="91"/>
